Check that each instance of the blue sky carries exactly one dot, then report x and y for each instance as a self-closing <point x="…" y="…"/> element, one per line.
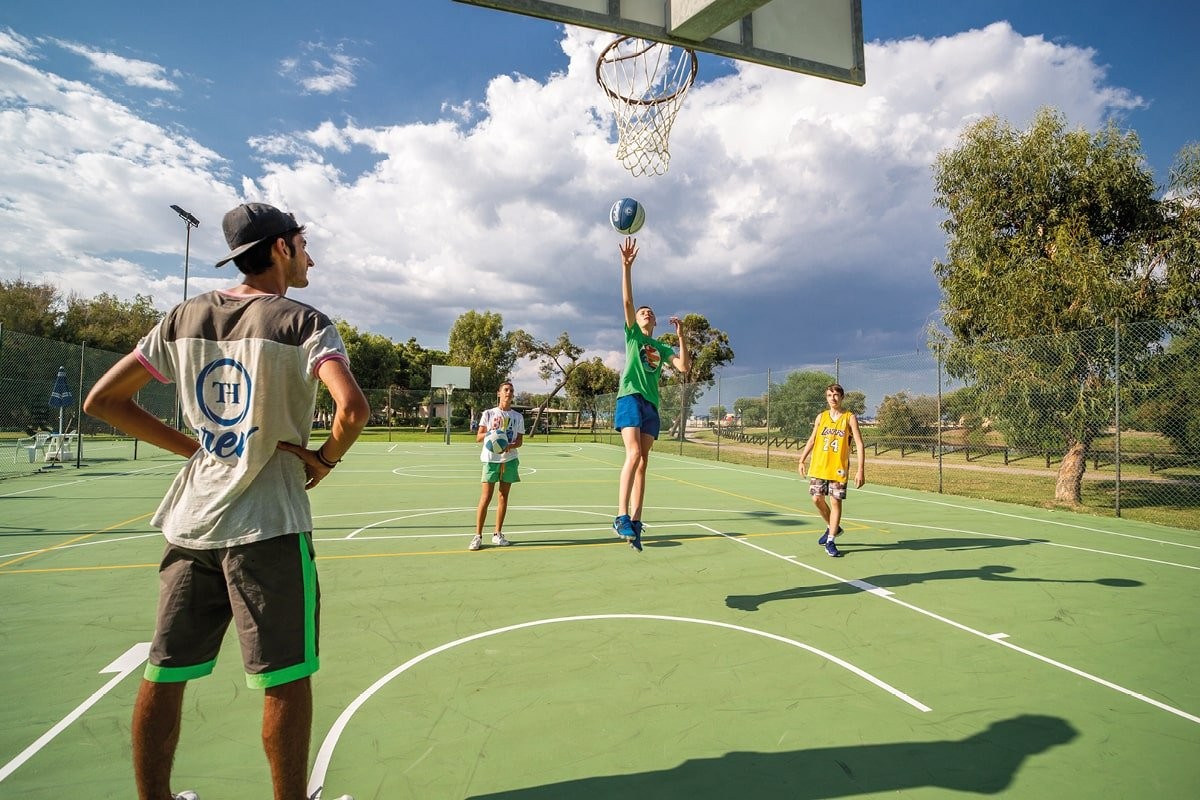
<point x="457" y="158"/>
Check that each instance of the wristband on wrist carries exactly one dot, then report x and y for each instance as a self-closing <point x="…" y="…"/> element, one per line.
<point x="320" y="451"/>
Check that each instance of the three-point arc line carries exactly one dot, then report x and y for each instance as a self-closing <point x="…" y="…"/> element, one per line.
<point x="321" y="765"/>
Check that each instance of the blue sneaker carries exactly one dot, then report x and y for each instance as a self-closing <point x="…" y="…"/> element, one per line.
<point x="825" y="536"/>
<point x="636" y="541"/>
<point x="623" y="525"/>
<point x="831" y="549"/>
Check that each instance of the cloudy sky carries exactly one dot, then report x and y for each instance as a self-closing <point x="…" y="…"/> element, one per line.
<point x="448" y="157"/>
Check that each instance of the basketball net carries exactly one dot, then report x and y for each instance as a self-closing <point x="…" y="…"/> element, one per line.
<point x="646" y="82"/>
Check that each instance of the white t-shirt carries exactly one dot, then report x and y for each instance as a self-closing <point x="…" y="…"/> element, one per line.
<point x="246" y="367"/>
<point x="511" y="422"/>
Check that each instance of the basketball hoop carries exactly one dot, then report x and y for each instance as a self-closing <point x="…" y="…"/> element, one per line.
<point x="646" y="82"/>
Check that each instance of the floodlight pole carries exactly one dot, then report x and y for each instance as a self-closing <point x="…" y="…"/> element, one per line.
<point x="190" y="222"/>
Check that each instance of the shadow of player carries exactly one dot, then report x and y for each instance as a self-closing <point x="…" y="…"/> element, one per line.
<point x="991" y="572"/>
<point x="985" y="763"/>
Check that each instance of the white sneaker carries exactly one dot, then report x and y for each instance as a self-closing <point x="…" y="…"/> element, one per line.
<point x="499" y="540"/>
<point x="186" y="796"/>
<point x="476" y="543"/>
<point x="317" y="794"/>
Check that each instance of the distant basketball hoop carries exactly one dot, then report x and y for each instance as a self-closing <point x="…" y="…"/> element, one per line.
<point x="646" y="82"/>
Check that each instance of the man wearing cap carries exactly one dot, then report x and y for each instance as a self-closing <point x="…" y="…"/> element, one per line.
<point x="237" y="521"/>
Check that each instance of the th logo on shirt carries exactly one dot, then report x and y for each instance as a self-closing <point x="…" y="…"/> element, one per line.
<point x="223" y="392"/>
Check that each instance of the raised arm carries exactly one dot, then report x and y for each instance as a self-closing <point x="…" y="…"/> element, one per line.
<point x="682" y="362"/>
<point x="629" y="251"/>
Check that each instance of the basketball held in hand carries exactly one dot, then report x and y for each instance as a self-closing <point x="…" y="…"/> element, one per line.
<point x="495" y="442"/>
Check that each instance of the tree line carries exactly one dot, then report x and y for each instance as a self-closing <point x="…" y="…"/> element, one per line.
<point x="477" y="340"/>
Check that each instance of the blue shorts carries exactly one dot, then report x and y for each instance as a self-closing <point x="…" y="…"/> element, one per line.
<point x="635" y="411"/>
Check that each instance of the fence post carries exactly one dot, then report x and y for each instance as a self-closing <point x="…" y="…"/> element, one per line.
<point x="1117" y="411"/>
<point x="768" y="437"/>
<point x="939" y="417"/>
<point x="79" y="410"/>
<point x="718" y="426"/>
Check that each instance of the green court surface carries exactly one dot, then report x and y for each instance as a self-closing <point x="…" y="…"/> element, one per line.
<point x="959" y="648"/>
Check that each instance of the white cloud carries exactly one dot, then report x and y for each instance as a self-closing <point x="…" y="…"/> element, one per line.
<point x="16" y="45"/>
<point x="330" y="71"/>
<point x="781" y="187"/>
<point x="134" y="72"/>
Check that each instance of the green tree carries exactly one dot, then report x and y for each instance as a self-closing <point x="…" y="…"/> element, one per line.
<point x="716" y="413"/>
<point x="556" y="361"/>
<point x="751" y="411"/>
<point x="375" y="361"/>
<point x="796" y="402"/>
<point x="902" y="415"/>
<point x="855" y="402"/>
<point x="31" y="308"/>
<point x="710" y="350"/>
<point x="1168" y="393"/>
<point x="590" y="380"/>
<point x="1054" y="231"/>
<point x="107" y="322"/>
<point x="478" y="341"/>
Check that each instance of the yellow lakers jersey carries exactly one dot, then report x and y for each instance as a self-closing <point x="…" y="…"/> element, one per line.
<point x="831" y="451"/>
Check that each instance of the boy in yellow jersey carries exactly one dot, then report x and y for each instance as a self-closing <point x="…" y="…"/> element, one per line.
<point x="830" y="450"/>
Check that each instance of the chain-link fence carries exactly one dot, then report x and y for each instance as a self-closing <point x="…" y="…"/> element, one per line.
<point x="1105" y="420"/>
<point x="41" y="421"/>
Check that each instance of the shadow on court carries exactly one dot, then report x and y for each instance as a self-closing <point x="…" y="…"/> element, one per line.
<point x="985" y="763"/>
<point x="953" y="544"/>
<point x="991" y="572"/>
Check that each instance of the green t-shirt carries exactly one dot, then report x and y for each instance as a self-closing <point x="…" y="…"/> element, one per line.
<point x="644" y="359"/>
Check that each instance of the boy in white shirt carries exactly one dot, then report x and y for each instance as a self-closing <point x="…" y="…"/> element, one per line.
<point x="498" y="468"/>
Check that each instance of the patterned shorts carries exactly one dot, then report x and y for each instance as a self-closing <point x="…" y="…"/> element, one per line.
<point x="820" y="486"/>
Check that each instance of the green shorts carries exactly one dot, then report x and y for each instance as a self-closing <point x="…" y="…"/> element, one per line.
<point x="268" y="589"/>
<point x="502" y="473"/>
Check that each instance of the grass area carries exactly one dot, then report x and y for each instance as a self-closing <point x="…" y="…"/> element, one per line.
<point x="1167" y="497"/>
<point x="1163" y="497"/>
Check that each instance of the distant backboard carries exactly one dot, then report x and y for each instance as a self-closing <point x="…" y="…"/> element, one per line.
<point x="817" y="37"/>
<point x="454" y="377"/>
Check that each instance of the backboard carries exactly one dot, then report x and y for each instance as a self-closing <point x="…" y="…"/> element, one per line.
<point x="816" y="37"/>
<point x="453" y="377"/>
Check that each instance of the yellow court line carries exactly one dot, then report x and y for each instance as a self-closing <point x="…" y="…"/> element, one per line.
<point x="27" y="556"/>
<point x="520" y="547"/>
<point x="75" y="569"/>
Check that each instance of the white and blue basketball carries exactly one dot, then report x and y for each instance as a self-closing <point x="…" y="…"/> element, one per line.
<point x="627" y="216"/>
<point x="495" y="441"/>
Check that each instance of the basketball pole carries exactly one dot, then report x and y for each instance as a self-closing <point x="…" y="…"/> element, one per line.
<point x="449" y="389"/>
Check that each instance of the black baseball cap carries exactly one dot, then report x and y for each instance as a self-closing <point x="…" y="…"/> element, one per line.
<point x="251" y="223"/>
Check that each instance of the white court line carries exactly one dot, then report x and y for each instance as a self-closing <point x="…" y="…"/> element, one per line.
<point x="1010" y="515"/>
<point x="91" y="479"/>
<point x="997" y="638"/>
<point x="123" y="665"/>
<point x="325" y="753"/>
<point x="1036" y="520"/>
<point x="1045" y="542"/>
<point x="58" y="548"/>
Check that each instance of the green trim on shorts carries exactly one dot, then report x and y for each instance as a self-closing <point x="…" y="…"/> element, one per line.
<point x="279" y="677"/>
<point x="311" y="663"/>
<point x="178" y="674"/>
